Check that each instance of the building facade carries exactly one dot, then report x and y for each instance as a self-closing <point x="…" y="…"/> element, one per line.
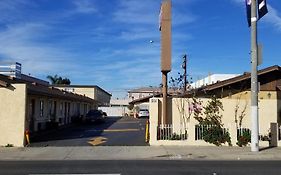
<point x="101" y="96"/>
<point x="30" y="105"/>
<point x="235" y="95"/>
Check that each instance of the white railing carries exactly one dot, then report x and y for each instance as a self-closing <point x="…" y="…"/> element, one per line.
<point x="199" y="131"/>
<point x="242" y="131"/>
<point x="167" y="132"/>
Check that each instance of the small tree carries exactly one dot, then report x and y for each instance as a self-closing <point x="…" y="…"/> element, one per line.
<point x="177" y="85"/>
<point x="213" y="131"/>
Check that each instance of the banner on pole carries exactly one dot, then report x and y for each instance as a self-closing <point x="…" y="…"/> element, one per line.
<point x="262" y="9"/>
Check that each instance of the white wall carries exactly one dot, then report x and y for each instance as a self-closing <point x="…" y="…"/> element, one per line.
<point x="115" y="111"/>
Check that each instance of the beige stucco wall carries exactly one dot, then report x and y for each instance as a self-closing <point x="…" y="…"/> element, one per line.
<point x="12" y="115"/>
<point x="95" y="93"/>
<point x="183" y="119"/>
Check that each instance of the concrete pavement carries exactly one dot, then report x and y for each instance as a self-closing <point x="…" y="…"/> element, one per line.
<point x="138" y="153"/>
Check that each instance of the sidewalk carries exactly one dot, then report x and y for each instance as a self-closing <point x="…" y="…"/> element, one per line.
<point x="138" y="153"/>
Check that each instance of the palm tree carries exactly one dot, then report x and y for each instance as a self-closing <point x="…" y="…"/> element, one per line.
<point x="55" y="80"/>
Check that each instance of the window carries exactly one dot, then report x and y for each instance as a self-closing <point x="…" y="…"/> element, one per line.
<point x="41" y="108"/>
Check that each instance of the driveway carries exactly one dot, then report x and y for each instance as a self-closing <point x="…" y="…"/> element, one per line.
<point x="116" y="131"/>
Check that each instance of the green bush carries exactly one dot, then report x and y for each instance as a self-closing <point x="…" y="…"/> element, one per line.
<point x="244" y="139"/>
<point x="216" y="135"/>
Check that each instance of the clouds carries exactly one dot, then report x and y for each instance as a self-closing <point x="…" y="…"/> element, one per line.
<point x="87" y="42"/>
<point x="273" y="17"/>
<point x="104" y="42"/>
<point x="85" y="6"/>
<point x="11" y="10"/>
<point x="137" y="12"/>
<point x="18" y="43"/>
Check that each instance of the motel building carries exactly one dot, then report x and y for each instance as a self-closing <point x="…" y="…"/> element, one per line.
<point x="31" y="105"/>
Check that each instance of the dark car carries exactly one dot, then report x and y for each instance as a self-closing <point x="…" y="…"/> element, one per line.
<point x="95" y="116"/>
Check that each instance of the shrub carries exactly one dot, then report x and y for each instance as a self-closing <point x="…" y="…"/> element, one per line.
<point x="244" y="139"/>
<point x="216" y="135"/>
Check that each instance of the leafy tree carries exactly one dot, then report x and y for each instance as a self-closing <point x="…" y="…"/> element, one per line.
<point x="55" y="80"/>
<point x="213" y="131"/>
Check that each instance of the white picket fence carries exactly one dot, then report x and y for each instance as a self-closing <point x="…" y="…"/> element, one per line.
<point x="199" y="129"/>
<point x="166" y="132"/>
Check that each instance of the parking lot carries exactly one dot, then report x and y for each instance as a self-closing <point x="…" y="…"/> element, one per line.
<point x="115" y="131"/>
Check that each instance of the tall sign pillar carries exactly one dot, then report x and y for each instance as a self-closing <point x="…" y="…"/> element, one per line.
<point x="165" y="28"/>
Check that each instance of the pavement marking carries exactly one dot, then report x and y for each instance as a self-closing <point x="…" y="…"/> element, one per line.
<point x="97" y="141"/>
<point x="120" y="130"/>
<point x="113" y="130"/>
<point x="128" y="122"/>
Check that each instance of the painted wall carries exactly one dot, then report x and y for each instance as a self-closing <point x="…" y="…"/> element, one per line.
<point x="12" y="115"/>
<point x="92" y="92"/>
<point x="183" y="119"/>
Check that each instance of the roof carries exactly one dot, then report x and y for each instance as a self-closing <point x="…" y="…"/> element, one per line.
<point x="220" y="84"/>
<point x="240" y="78"/>
<point x="82" y="86"/>
<point x="145" y="89"/>
<point x="146" y="99"/>
<point x="152" y="90"/>
<point x="39" y="89"/>
<point x="3" y="83"/>
<point x="36" y="89"/>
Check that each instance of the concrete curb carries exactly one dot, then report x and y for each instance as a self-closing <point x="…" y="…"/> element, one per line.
<point x="138" y="153"/>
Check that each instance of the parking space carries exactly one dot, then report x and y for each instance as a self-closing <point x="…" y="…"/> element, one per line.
<point x="115" y="131"/>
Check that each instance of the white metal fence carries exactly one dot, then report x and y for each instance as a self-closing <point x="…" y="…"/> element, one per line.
<point x="166" y="132"/>
<point x="243" y="131"/>
<point x="200" y="129"/>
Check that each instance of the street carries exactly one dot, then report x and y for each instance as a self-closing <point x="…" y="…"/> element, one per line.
<point x="115" y="131"/>
<point x="133" y="167"/>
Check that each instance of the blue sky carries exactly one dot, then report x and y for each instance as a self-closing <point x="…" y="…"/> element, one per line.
<point x="106" y="42"/>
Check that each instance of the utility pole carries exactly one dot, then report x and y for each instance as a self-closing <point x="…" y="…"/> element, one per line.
<point x="254" y="80"/>
<point x="184" y="74"/>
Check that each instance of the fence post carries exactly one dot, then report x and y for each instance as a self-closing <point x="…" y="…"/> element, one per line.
<point x="153" y="120"/>
<point x="191" y="131"/>
<point x="274" y="135"/>
<point x="232" y="133"/>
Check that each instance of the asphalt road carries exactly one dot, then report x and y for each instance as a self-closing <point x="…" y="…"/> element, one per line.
<point x="140" y="167"/>
<point x="115" y="131"/>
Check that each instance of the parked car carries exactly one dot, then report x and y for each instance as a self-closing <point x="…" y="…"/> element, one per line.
<point x="143" y="113"/>
<point x="95" y="116"/>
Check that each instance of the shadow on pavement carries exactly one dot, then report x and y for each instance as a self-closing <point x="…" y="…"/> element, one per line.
<point x="73" y="131"/>
<point x="266" y="148"/>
